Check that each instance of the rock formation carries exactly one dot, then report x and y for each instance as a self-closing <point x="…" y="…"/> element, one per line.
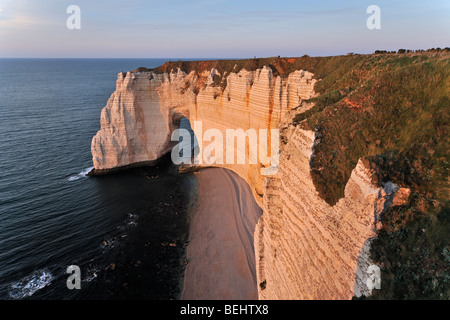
<point x="307" y="248"/>
<point x="304" y="248"/>
<point x="140" y="116"/>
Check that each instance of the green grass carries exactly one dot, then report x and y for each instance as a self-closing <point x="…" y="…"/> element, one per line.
<point x="414" y="259"/>
<point x="401" y="106"/>
<point x="393" y="112"/>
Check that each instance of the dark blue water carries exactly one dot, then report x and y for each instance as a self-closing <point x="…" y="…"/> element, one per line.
<point x="125" y="231"/>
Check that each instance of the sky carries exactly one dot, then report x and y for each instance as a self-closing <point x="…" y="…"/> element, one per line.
<point x="218" y="28"/>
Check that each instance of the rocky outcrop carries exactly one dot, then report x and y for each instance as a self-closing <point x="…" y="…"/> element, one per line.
<point x="140" y="116"/>
<point x="134" y="129"/>
<point x="304" y="248"/>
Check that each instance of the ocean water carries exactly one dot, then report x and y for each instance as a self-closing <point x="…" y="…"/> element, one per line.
<point x="125" y="231"/>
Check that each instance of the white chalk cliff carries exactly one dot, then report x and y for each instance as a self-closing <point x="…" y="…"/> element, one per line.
<point x="307" y="248"/>
<point x="304" y="248"/>
<point x="140" y="116"/>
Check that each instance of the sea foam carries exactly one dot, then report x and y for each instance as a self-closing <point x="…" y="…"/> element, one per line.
<point x="82" y="174"/>
<point x="28" y="285"/>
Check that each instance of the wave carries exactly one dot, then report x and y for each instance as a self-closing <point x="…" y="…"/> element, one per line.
<point x="28" y="285"/>
<point x="110" y="243"/>
<point x="130" y="221"/>
<point x="92" y="273"/>
<point x="115" y="241"/>
<point x="82" y="174"/>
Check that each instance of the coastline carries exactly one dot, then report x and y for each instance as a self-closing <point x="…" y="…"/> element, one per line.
<point x="220" y="254"/>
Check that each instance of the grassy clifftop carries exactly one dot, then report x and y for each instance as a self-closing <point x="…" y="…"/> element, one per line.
<point x="392" y="110"/>
<point x="387" y="108"/>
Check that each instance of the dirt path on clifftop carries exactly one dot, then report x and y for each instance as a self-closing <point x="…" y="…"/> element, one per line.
<point x="221" y="252"/>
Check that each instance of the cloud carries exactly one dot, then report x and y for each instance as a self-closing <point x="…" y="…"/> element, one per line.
<point x="25" y="14"/>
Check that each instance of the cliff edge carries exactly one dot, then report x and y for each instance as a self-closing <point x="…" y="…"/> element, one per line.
<point x="346" y="125"/>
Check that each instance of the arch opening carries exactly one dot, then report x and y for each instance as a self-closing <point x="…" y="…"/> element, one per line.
<point x="187" y="147"/>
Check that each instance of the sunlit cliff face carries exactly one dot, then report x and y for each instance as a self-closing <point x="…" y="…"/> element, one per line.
<point x="304" y="248"/>
<point x="141" y="115"/>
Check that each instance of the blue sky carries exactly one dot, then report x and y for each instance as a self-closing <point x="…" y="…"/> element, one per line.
<point x="218" y="28"/>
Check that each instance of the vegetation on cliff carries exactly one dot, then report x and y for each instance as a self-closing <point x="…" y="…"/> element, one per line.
<point x="391" y="110"/>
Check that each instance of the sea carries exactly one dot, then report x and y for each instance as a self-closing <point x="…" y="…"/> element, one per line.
<point x="125" y="232"/>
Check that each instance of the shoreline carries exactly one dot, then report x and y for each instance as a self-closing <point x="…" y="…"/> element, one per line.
<point x="191" y="184"/>
<point x="220" y="252"/>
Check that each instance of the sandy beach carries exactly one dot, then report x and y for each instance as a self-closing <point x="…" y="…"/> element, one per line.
<point x="220" y="253"/>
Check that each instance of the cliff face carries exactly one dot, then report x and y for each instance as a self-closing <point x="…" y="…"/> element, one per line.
<point x="134" y="129"/>
<point x="307" y="248"/>
<point x="304" y="248"/>
<point x="140" y="116"/>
